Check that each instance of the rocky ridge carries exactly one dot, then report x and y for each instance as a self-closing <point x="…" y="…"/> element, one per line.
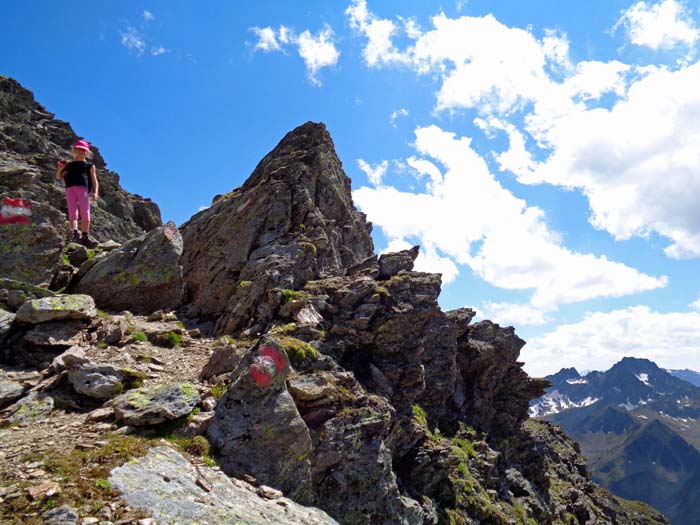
<point x="295" y="361"/>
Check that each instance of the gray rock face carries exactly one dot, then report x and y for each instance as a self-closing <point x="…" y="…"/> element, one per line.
<point x="156" y="404"/>
<point x="166" y="484"/>
<point x="292" y="221"/>
<point x="142" y="276"/>
<point x="59" y="308"/>
<point x="257" y="429"/>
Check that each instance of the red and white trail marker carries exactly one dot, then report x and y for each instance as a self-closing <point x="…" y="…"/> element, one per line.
<point x="15" y="211"/>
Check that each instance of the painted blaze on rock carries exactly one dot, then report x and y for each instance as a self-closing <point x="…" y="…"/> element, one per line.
<point x="268" y="364"/>
<point x="257" y="428"/>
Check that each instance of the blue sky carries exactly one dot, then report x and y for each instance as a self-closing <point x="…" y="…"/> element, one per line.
<point x="546" y="155"/>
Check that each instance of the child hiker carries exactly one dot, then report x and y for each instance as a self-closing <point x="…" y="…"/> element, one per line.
<point x="80" y="177"/>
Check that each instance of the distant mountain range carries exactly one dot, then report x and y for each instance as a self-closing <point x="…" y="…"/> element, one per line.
<point x="690" y="376"/>
<point x="639" y="427"/>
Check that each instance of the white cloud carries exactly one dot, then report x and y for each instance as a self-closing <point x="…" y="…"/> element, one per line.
<point x="470" y="218"/>
<point x="695" y="305"/>
<point x="133" y="41"/>
<point x="317" y="51"/>
<point x="513" y="314"/>
<point x="637" y="163"/>
<point x="659" y="26"/>
<point x="137" y="43"/>
<point x="603" y="338"/>
<point x="396" y="114"/>
<point x="267" y="38"/>
<point x="380" y="49"/>
<point x="374" y="174"/>
<point x="635" y="159"/>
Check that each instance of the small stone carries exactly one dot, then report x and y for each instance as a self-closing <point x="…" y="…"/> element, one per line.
<point x="63" y="515"/>
<point x="209" y="403"/>
<point x="268" y="492"/>
<point x="100" y="414"/>
<point x="44" y="490"/>
<point x="155" y="316"/>
<point x="204" y="484"/>
<point x="195" y="333"/>
<point x="89" y="521"/>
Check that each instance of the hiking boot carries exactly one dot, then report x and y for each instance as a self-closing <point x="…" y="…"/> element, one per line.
<point x="87" y="241"/>
<point x="76" y="237"/>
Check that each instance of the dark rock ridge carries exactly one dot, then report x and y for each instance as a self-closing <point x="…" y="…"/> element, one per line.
<point x="292" y="221"/>
<point x="31" y="142"/>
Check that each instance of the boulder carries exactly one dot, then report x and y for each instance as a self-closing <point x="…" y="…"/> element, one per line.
<point x="58" y="308"/>
<point x="35" y="407"/>
<point x="97" y="380"/>
<point x="142" y="276"/>
<point x="155" y="404"/>
<point x="257" y="429"/>
<point x="174" y="491"/>
<point x="10" y="391"/>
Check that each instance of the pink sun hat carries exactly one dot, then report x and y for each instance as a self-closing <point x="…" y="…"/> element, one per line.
<point x="81" y="144"/>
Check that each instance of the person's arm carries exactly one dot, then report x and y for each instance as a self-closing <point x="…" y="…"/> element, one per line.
<point x="95" y="183"/>
<point x="60" y="168"/>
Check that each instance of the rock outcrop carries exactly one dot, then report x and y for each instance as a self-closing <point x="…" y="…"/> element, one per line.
<point x="292" y="221"/>
<point x="31" y="143"/>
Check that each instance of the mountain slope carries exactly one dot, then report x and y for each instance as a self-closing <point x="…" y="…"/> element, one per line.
<point x="637" y="435"/>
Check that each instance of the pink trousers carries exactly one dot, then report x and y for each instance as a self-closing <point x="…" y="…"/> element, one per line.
<point x="78" y="200"/>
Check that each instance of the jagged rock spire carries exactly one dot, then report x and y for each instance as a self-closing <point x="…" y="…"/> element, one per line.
<point x="293" y="220"/>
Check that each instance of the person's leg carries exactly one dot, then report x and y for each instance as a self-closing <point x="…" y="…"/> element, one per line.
<point x="84" y="205"/>
<point x="72" y="203"/>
